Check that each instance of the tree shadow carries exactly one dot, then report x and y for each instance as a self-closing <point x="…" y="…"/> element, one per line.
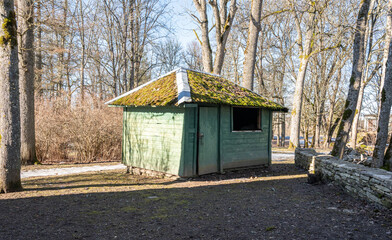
<point x="280" y="209"/>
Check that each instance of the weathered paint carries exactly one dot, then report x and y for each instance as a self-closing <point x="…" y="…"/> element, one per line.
<point x="165" y="139"/>
<point x="190" y="141"/>
<point x="208" y="158"/>
<point x="153" y="138"/>
<point x="242" y="149"/>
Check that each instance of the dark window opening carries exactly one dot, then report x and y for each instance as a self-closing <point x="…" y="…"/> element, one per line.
<point x="246" y="119"/>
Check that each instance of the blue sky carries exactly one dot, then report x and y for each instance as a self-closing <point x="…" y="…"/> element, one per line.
<point x="182" y="21"/>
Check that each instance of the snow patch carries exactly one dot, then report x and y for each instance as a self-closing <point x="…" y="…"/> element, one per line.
<point x="71" y="170"/>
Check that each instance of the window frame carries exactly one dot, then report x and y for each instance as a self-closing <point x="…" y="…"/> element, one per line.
<point x="259" y="120"/>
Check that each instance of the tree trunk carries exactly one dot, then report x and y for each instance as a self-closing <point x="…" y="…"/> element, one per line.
<point x="354" y="128"/>
<point x="283" y="129"/>
<point x="9" y="101"/>
<point x="364" y="80"/>
<point x="223" y="22"/>
<point x="319" y="118"/>
<point x="38" y="49"/>
<point x="386" y="99"/>
<point x="297" y="105"/>
<point x="83" y="53"/>
<point x="251" y="44"/>
<point x="26" y="80"/>
<point x="205" y="39"/>
<point x="299" y="85"/>
<point x="355" y="80"/>
<point x="331" y="126"/>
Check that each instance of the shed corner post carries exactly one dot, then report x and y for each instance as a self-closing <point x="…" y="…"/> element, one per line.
<point x="220" y="147"/>
<point x="270" y="138"/>
<point x="124" y="127"/>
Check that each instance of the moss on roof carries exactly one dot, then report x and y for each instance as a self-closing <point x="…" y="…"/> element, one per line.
<point x="162" y="92"/>
<point x="207" y="88"/>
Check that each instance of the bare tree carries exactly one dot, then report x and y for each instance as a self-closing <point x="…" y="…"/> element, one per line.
<point x="223" y="23"/>
<point x="26" y="80"/>
<point x="9" y="100"/>
<point x="368" y="72"/>
<point x="193" y="56"/>
<point x="251" y="44"/>
<point x="305" y="49"/>
<point x="168" y="55"/>
<point x="386" y="98"/>
<point x="355" y="80"/>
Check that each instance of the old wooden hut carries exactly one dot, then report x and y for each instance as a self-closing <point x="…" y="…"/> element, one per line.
<point x="191" y="123"/>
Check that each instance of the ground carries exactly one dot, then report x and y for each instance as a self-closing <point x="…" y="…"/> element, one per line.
<point x="274" y="203"/>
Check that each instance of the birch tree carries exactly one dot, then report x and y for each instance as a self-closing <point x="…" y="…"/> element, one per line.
<point x="26" y="80"/>
<point x="9" y="100"/>
<point x="386" y="97"/>
<point x="355" y="79"/>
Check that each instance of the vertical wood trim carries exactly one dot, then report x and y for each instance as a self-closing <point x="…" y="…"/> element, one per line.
<point x="124" y="135"/>
<point x="185" y="131"/>
<point x="269" y="138"/>
<point x="231" y="118"/>
<point x="219" y="140"/>
<point x="196" y="143"/>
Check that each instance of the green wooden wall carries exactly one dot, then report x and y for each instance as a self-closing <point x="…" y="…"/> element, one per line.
<point x="241" y="149"/>
<point x="165" y="139"/>
<point x="153" y="138"/>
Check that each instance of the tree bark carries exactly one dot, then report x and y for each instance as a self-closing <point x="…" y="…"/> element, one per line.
<point x="364" y="80"/>
<point x="83" y="53"/>
<point x="386" y="98"/>
<point x="201" y="7"/>
<point x="26" y="80"/>
<point x="9" y="101"/>
<point x="355" y="80"/>
<point x="299" y="85"/>
<point x="354" y="128"/>
<point x="38" y="49"/>
<point x="331" y="127"/>
<point x="251" y="44"/>
<point x="223" y="22"/>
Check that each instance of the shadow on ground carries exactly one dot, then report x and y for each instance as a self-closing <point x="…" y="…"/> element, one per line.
<point x="268" y="205"/>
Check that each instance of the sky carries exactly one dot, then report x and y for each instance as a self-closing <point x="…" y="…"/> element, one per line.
<point x="183" y="23"/>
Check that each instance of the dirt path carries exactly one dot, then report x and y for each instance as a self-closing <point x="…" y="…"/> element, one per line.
<point x="47" y="170"/>
<point x="274" y="203"/>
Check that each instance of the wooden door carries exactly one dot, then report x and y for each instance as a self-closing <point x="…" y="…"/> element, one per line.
<point x="208" y="140"/>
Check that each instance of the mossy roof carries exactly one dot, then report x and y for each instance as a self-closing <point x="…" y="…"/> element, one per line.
<point x="204" y="88"/>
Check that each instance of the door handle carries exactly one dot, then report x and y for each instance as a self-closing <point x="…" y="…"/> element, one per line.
<point x="200" y="136"/>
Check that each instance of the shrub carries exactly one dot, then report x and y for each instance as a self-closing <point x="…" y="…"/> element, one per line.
<point x="85" y="132"/>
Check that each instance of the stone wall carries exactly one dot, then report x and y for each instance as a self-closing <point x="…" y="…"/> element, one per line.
<point x="303" y="157"/>
<point x="374" y="185"/>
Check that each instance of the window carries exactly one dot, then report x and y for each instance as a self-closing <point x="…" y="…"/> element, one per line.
<point x="246" y="119"/>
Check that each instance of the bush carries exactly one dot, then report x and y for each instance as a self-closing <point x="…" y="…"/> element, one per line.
<point x="83" y="133"/>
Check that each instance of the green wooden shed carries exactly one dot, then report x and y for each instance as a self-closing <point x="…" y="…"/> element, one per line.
<point x="191" y="123"/>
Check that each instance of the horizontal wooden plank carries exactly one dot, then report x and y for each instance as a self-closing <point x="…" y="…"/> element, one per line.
<point x="154" y="139"/>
